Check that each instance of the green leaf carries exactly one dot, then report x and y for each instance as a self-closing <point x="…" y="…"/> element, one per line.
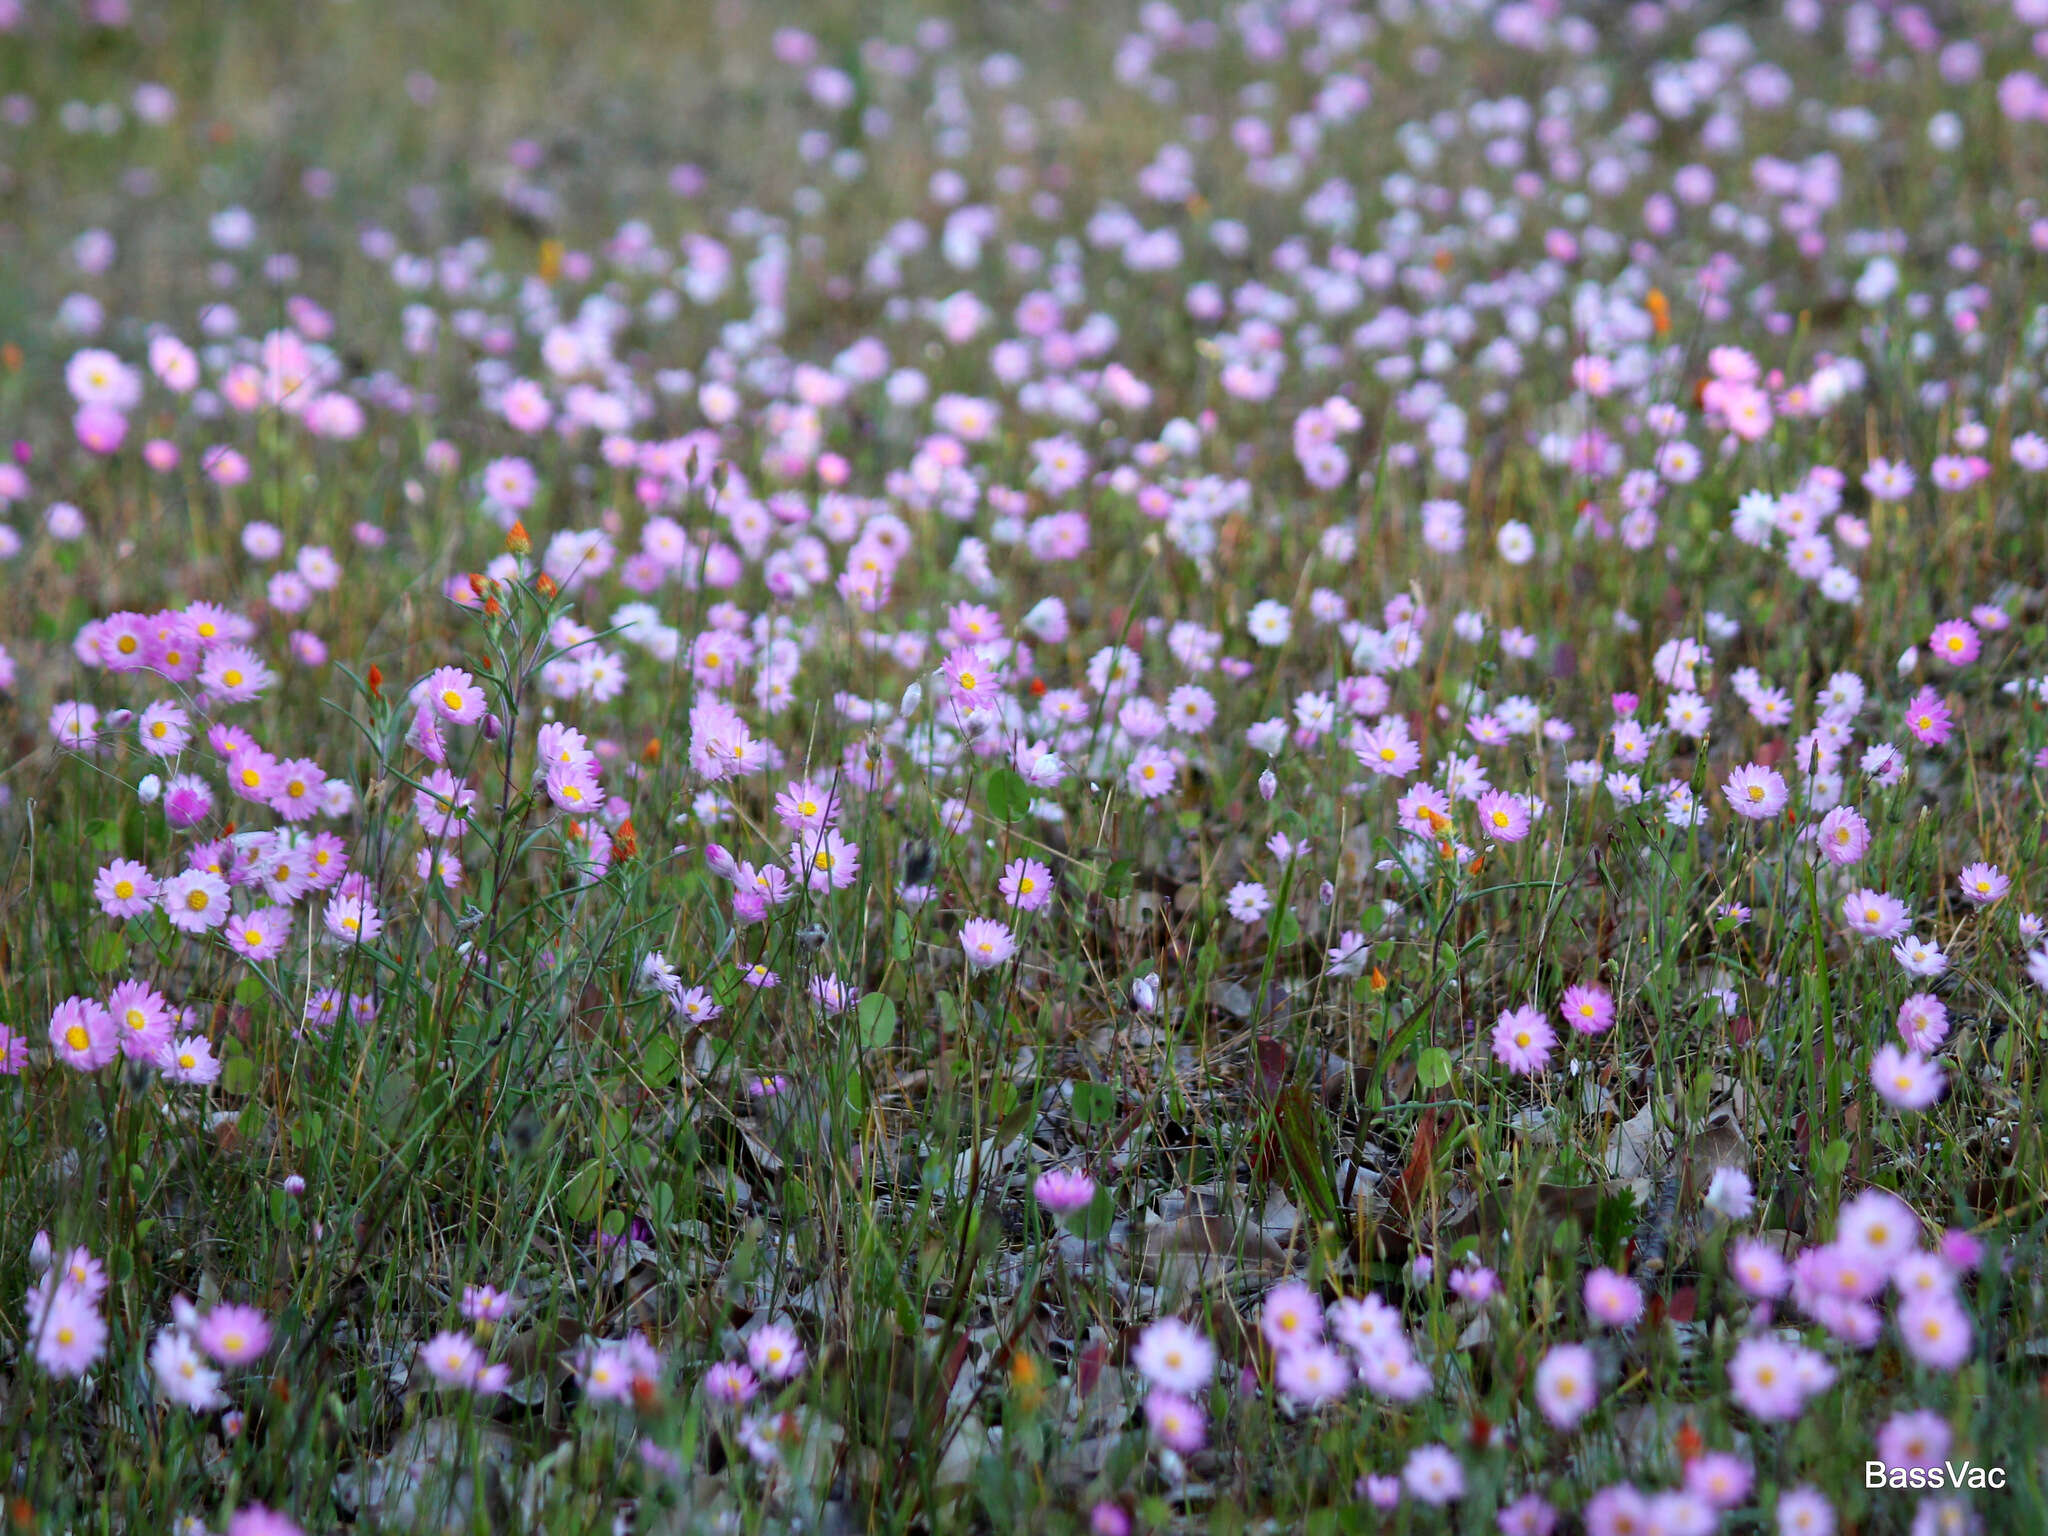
<point x="583" y="1196"/>
<point x="107" y="951"/>
<point x="249" y="991"/>
<point x="1832" y="1158"/>
<point x="661" y="1204"/>
<point x="876" y="1019"/>
<point x="1093" y="1221"/>
<point x="1116" y="882"/>
<point x="614" y="1127"/>
<point x="902" y="939"/>
<point x="1433" y="1067"/>
<point x="1094" y="1103"/>
<point x="1009" y="797"/>
<point x="658" y="1062"/>
<point x="1614" y="1218"/>
<point x="238" y="1076"/>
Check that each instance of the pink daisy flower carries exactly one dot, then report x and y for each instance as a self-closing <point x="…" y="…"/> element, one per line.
<point x="125" y="889"/>
<point x="1956" y="642"/>
<point x="987" y="943"/>
<point x="1588" y="1008"/>
<point x="1756" y="792"/>
<point x="234" y="1335"/>
<point x="1614" y="1299"/>
<point x="83" y="1034"/>
<point x="1026" y="885"/>
<point x="261" y="934"/>
<point x="1522" y="1041"/>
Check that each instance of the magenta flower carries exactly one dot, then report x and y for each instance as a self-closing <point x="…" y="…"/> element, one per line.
<point x="1522" y="1040"/>
<point x="1503" y="817"/>
<point x="195" y="901"/>
<point x="455" y="696"/>
<point x="1843" y="836"/>
<point x="1905" y="1079"/>
<point x="1433" y="1475"/>
<point x="1982" y="884"/>
<point x="1026" y="885"/>
<point x="1935" y="1331"/>
<point x="261" y="934"/>
<point x="68" y="1331"/>
<point x="987" y="943"/>
<point x="1567" y="1384"/>
<point x="234" y="1335"/>
<point x="1756" y="792"/>
<point x="1063" y="1191"/>
<point x="83" y="1034"/>
<point x="1175" y="1421"/>
<point x="1175" y="1356"/>
<point x="1292" y="1317"/>
<point x="1956" y="642"/>
<point x="1928" y="718"/>
<point x="142" y="1019"/>
<point x="1588" y="1008"/>
<point x="775" y="1353"/>
<point x="1613" y="1299"/>
<point x="1312" y="1373"/>
<point x="1152" y="773"/>
<point x="125" y="889"/>
<point x="730" y="1383"/>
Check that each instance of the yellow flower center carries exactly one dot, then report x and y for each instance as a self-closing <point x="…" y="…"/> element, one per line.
<point x="124" y="889"/>
<point x="77" y="1038"/>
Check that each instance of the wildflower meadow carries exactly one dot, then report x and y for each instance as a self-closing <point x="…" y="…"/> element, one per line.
<point x="885" y="765"/>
